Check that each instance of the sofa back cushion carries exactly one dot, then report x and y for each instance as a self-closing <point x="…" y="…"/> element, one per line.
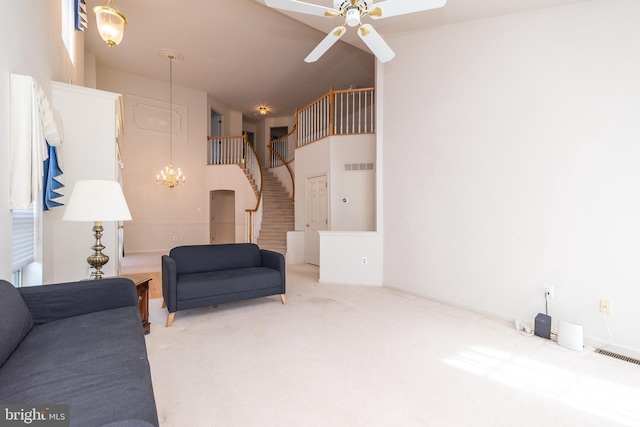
<point x="203" y="258"/>
<point x="15" y="320"/>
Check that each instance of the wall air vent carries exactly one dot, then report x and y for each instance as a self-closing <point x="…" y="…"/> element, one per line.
<point x="359" y="166"/>
<point x="618" y="356"/>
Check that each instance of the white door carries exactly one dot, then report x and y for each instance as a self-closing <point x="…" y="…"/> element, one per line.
<point x="317" y="216"/>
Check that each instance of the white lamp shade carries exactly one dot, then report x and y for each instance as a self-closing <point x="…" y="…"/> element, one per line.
<point x="97" y="200"/>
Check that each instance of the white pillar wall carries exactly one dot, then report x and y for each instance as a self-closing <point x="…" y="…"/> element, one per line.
<point x="511" y="149"/>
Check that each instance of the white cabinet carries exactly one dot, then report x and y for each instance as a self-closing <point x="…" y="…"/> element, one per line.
<point x="91" y="123"/>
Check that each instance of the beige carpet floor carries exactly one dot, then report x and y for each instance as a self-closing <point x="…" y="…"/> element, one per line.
<point x="366" y="356"/>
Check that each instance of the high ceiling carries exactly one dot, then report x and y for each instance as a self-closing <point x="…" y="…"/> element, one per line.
<point x="245" y="54"/>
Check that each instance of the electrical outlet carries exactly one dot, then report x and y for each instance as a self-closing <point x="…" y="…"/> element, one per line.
<point x="605" y="306"/>
<point x="364" y="260"/>
<point x="548" y="289"/>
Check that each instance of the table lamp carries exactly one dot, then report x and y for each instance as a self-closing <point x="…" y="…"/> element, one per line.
<point x="97" y="201"/>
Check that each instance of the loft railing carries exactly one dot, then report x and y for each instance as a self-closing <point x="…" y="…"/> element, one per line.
<point x="339" y="112"/>
<point x="230" y="150"/>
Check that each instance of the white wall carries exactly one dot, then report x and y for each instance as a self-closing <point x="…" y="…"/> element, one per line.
<point x="160" y="213"/>
<point x="350" y="258"/>
<point x="232" y="178"/>
<point x="311" y="160"/>
<point x="511" y="149"/>
<point x="342" y="248"/>
<point x="328" y="157"/>
<point x="358" y="187"/>
<point x="31" y="44"/>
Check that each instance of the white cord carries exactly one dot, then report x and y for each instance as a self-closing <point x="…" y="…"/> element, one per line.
<point x="606" y="322"/>
<point x="546" y="306"/>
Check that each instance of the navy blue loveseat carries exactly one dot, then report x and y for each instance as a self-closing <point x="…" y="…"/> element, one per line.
<point x="79" y="344"/>
<point x="204" y="275"/>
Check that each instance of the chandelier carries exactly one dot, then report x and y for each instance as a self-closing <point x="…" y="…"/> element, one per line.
<point x="169" y="176"/>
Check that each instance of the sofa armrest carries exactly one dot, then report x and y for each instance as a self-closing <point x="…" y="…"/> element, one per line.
<point x="58" y="301"/>
<point x="169" y="279"/>
<point x="275" y="260"/>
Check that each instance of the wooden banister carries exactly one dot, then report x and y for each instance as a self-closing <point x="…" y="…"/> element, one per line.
<point x="251" y="212"/>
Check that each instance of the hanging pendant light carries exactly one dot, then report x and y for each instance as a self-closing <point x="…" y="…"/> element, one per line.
<point x="169" y="176"/>
<point x="110" y="22"/>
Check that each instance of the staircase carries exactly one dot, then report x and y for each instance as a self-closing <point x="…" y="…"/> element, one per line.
<point x="277" y="215"/>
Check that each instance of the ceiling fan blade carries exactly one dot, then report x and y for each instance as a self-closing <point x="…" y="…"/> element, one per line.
<point x="388" y="8"/>
<point x="302" y="7"/>
<point x="325" y="44"/>
<point x="376" y="44"/>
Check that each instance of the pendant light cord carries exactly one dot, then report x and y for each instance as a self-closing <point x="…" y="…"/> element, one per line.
<point x="171" y="109"/>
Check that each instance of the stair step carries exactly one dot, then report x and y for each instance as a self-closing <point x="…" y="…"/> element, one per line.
<point x="277" y="215"/>
<point x="277" y="226"/>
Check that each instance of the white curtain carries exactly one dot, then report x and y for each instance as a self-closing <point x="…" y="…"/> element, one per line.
<point x="33" y="122"/>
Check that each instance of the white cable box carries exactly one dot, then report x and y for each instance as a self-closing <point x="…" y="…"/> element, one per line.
<point x="570" y="336"/>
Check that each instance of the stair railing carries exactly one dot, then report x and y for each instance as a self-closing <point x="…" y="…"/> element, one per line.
<point x="254" y="216"/>
<point x="283" y="145"/>
<point x="226" y="150"/>
<point x="229" y="150"/>
<point x="339" y="112"/>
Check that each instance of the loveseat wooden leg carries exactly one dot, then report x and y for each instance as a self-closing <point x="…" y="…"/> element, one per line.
<point x="170" y="319"/>
<point x="283" y="297"/>
<point x="164" y="305"/>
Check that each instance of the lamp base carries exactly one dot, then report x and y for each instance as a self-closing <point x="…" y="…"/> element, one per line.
<point x="98" y="259"/>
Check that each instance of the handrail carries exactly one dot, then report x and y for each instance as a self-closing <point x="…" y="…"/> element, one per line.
<point x="251" y="212"/>
<point x="280" y="143"/>
<point x="313" y="120"/>
<point x="338" y="112"/>
<point x="228" y="150"/>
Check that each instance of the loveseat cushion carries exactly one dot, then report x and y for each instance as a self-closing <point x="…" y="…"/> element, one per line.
<point x="203" y="285"/>
<point x="96" y="363"/>
<point x="204" y="258"/>
<point x="15" y="320"/>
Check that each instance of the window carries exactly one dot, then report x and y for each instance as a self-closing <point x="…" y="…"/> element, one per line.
<point x="68" y="27"/>
<point x="23" y="240"/>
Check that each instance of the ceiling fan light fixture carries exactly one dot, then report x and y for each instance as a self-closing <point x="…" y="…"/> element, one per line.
<point x="353" y="16"/>
<point x="110" y="22"/>
<point x="352" y="11"/>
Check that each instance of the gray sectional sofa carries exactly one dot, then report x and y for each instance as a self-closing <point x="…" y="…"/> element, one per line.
<point x="79" y="344"/>
<point x="204" y="275"/>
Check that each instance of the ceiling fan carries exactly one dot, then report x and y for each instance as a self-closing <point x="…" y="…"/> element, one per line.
<point x="352" y="11"/>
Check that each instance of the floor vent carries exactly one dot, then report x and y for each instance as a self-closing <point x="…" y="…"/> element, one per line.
<point x="618" y="356"/>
